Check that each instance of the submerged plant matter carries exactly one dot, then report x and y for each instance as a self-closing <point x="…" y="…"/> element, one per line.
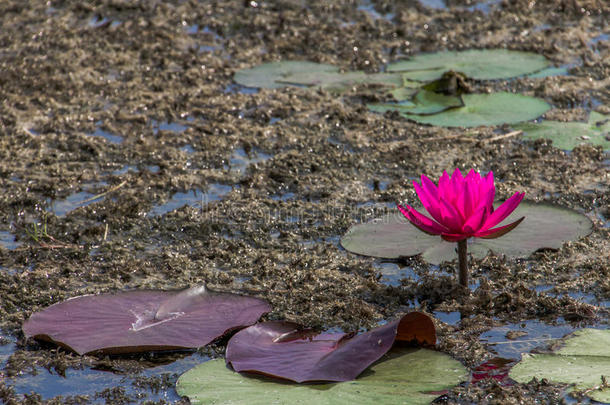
<point x="461" y="207"/>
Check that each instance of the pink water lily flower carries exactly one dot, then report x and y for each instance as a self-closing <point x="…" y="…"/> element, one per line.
<point x="461" y="207"/>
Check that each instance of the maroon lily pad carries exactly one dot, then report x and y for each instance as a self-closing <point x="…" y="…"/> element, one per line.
<point x="145" y="320"/>
<point x="286" y="350"/>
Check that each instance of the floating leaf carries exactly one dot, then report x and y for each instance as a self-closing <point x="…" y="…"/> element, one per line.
<point x="341" y="82"/>
<point x="137" y="321"/>
<point x="424" y="102"/>
<point x="568" y="135"/>
<point x="403" y="93"/>
<point x="548" y="72"/>
<point x="393" y="236"/>
<point x="285" y="350"/>
<point x="486" y="109"/>
<point x="268" y="74"/>
<point x="581" y="362"/>
<point x="481" y="64"/>
<point x="403" y="376"/>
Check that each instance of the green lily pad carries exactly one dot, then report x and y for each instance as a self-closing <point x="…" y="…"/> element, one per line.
<point x="568" y="135"/>
<point x="548" y="72"/>
<point x="340" y="82"/>
<point x="581" y="362"/>
<point x="424" y="102"/>
<point x="267" y="75"/>
<point x="393" y="236"/>
<point x="486" y="109"/>
<point x="403" y="93"/>
<point x="481" y="64"/>
<point x="407" y="376"/>
<point x="406" y="91"/>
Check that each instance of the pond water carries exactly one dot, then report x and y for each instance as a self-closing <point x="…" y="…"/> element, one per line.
<point x="392" y="273"/>
<point x="240" y="160"/>
<point x="369" y="7"/>
<point x="168" y="126"/>
<point x="512" y="339"/>
<point x="283" y="197"/>
<point x="194" y="198"/>
<point x="434" y="4"/>
<point x="154" y="383"/>
<point x="106" y="135"/>
<point x="70" y="203"/>
<point x="7" y="240"/>
<point x="485" y="6"/>
<point x="238" y="88"/>
<point x="209" y="41"/>
<point x="130" y="168"/>
<point x="99" y="22"/>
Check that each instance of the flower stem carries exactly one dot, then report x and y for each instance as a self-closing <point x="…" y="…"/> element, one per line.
<point x="463" y="262"/>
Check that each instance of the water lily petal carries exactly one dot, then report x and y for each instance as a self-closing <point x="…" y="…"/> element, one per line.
<point x="444" y="185"/>
<point x="429" y="186"/>
<point x="457" y="182"/>
<point x="453" y="237"/>
<point x="489" y="191"/>
<point x="503" y="210"/>
<point x="461" y="206"/>
<point x="451" y="217"/>
<point x="476" y="221"/>
<point x="422" y="222"/>
<point x="472" y="193"/>
<point x="429" y="202"/>
<point x="497" y="232"/>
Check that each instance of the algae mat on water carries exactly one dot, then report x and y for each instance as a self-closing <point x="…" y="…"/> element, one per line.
<point x="583" y="361"/>
<point x="404" y="376"/>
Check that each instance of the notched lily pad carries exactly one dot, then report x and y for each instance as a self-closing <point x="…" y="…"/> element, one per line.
<point x="268" y="75"/>
<point x="568" y="135"/>
<point x="481" y="64"/>
<point x="137" y="321"/>
<point x="486" y="109"/>
<point x="549" y="72"/>
<point x="403" y="93"/>
<point x="341" y="82"/>
<point x="581" y="362"/>
<point x="403" y="376"/>
<point x="393" y="236"/>
<point x="425" y="102"/>
<point x="286" y="350"/>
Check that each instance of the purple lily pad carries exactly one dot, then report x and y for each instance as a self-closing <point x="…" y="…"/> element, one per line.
<point x="286" y="350"/>
<point x="138" y="321"/>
